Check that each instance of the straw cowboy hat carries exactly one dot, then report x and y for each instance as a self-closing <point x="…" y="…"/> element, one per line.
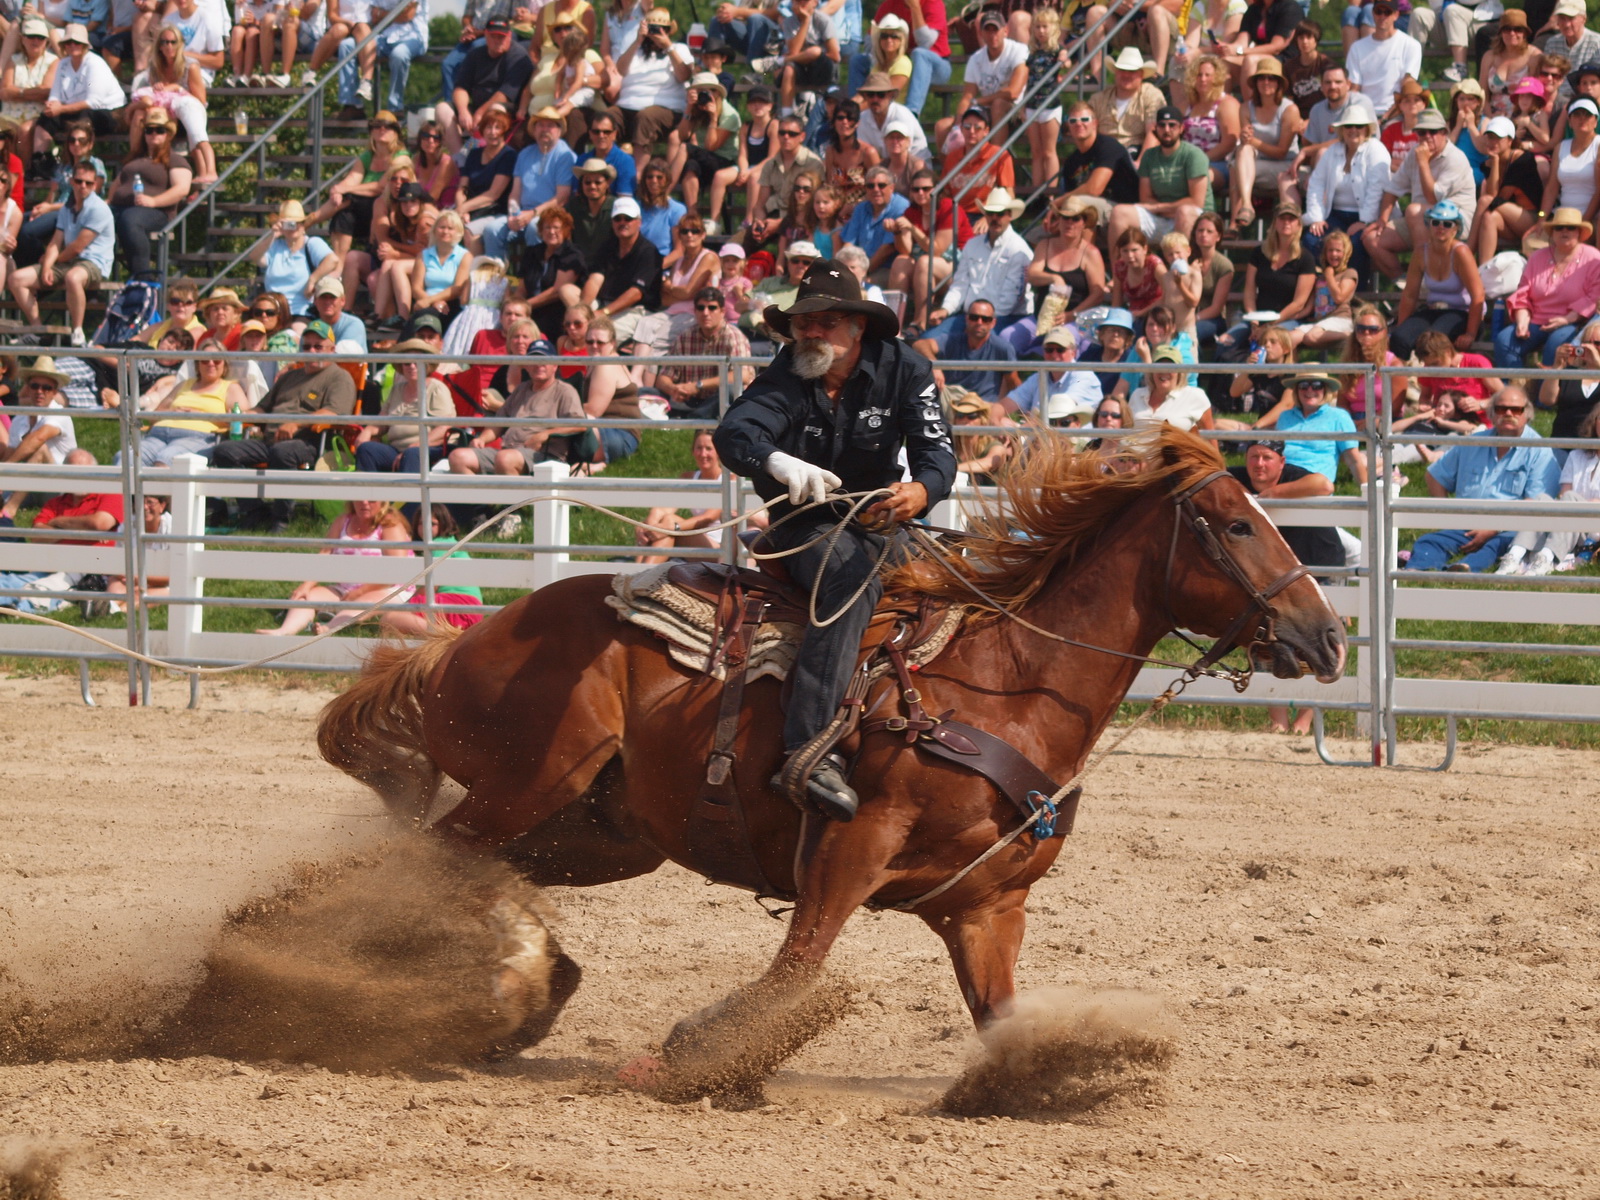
<point x="595" y="166"/>
<point x="1076" y="206"/>
<point x="660" y="16"/>
<point x="44" y="367"/>
<point x="1538" y="238"/>
<point x="1131" y="60"/>
<point x="830" y="286"/>
<point x="1001" y="200"/>
<point x="157" y="118"/>
<point x="225" y="296"/>
<point x="1327" y="381"/>
<point x="1270" y="67"/>
<point x="705" y="79"/>
<point x="292" y="210"/>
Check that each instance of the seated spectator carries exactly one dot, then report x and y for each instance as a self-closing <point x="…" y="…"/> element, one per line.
<point x="928" y="46"/>
<point x="1280" y="277"/>
<point x="156" y="375"/>
<point x="175" y="83"/>
<point x="416" y="624"/>
<point x="271" y="310"/>
<point x="1378" y="62"/>
<point x="574" y="343"/>
<point x="1580" y="482"/>
<point x="486" y="177"/>
<point x="1310" y="410"/>
<point x="351" y="202"/>
<point x="1435" y="170"/>
<point x="1269" y="129"/>
<point x="773" y="196"/>
<point x="1362" y="394"/>
<point x="846" y="159"/>
<point x="880" y="113"/>
<point x="368" y="525"/>
<point x="1335" y="287"/>
<point x="1558" y="293"/>
<point x="10" y="227"/>
<point x="990" y="168"/>
<point x="26" y="81"/>
<point x="1477" y="472"/>
<point x="1303" y="65"/>
<point x="704" y="149"/>
<point x="978" y="456"/>
<point x="807" y="57"/>
<point x="1216" y="277"/>
<point x="1161" y="329"/>
<point x="734" y="285"/>
<point x="1126" y="111"/>
<point x="1113" y="344"/>
<point x="1174" y="184"/>
<point x="541" y="182"/>
<point x="46" y="438"/>
<point x="1512" y="55"/>
<point x="398" y="45"/>
<point x="1450" y="27"/>
<point x="157" y="523"/>
<point x="488" y="284"/>
<point x="1443" y="282"/>
<point x="1066" y="264"/>
<point x="1182" y="290"/>
<point x="603" y="145"/>
<point x="398" y="447"/>
<point x="691" y="531"/>
<point x="590" y="209"/>
<point x="1068" y="393"/>
<point x="85" y="87"/>
<point x="647" y="92"/>
<point x="1573" y="399"/>
<point x="996" y="77"/>
<point x="1437" y="415"/>
<point x="309" y="389"/>
<point x="96" y="512"/>
<point x="899" y="159"/>
<point x="165" y="178"/>
<point x="889" y="56"/>
<point x="972" y="341"/>
<point x="1268" y="475"/>
<point x="1262" y="391"/>
<point x="746" y="31"/>
<point x="292" y="262"/>
<point x="909" y="270"/>
<point x="625" y="283"/>
<point x="1097" y="170"/>
<point x="693" y="390"/>
<point x="1345" y="191"/>
<point x="1136" y="275"/>
<point x="540" y="395"/>
<point x="439" y="278"/>
<point x="578" y="73"/>
<point x="1210" y="115"/>
<point x="329" y="301"/>
<point x="436" y="171"/>
<point x="1112" y="414"/>
<point x="77" y="144"/>
<point x="77" y="258"/>
<point x="1321" y="130"/>
<point x="1046" y="65"/>
<point x="1165" y="398"/>
<point x="1509" y="199"/>
<point x="779" y="291"/>
<point x="222" y="311"/>
<point x="553" y="271"/>
<point x="856" y="260"/>
<point x="820" y="224"/>
<point x="210" y="392"/>
<point x="399" y="237"/>
<point x="992" y="268"/>
<point x="610" y="391"/>
<point x="183" y="299"/>
<point x="659" y="213"/>
<point x="492" y="76"/>
<point x="694" y="269"/>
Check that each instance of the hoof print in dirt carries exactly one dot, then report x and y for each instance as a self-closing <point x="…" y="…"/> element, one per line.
<point x="411" y="956"/>
<point x="1065" y="1050"/>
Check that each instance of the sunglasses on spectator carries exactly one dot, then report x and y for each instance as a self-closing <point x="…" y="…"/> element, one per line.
<point x="217" y="361"/>
<point x="429" y="137"/>
<point x="80" y="139"/>
<point x="981" y="318"/>
<point x="1052" y="348"/>
<point x="878" y="185"/>
<point x="1510" y="408"/>
<point x="1080" y="120"/>
<point x="708" y="307"/>
<point x="597" y="340"/>
<point x="1313" y="384"/>
<point x="601" y="132"/>
<point x="579" y="323"/>
<point x="804" y="187"/>
<point x="1369" y="328"/>
<point x="1436" y="223"/>
<point x="788" y="133"/>
<point x="179" y="302"/>
<point x="89" y="183"/>
<point x="39" y="385"/>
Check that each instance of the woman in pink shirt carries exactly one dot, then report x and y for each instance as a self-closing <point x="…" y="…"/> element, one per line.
<point x="1558" y="291"/>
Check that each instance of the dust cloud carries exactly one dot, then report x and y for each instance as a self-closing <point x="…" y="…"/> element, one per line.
<point x="30" y="1168"/>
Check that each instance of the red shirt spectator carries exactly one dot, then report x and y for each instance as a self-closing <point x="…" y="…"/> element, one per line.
<point x="914" y="214"/>
<point x="1476" y="389"/>
<point x="90" y="508"/>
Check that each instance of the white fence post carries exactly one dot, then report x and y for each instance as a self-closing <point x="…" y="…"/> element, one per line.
<point x="186" y="621"/>
<point x="552" y="524"/>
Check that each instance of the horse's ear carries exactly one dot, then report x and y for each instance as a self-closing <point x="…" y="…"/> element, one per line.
<point x="1171" y="452"/>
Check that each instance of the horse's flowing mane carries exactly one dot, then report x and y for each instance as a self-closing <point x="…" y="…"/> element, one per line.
<point x="1052" y="505"/>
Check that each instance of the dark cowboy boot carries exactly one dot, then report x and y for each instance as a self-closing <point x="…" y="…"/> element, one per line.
<point x="827" y="789"/>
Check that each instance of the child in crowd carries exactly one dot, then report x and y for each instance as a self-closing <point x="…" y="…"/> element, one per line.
<point x="1435" y="415"/>
<point x="578" y="72"/>
<point x="1263" y="391"/>
<point x="822" y="222"/>
<point x="757" y="137"/>
<point x="1045" y="60"/>
<point x="1161" y="330"/>
<point x="735" y="285"/>
<point x="714" y="55"/>
<point x="250" y="45"/>
<point x="1181" y="286"/>
<point x="1136" y="275"/>
<point x="1528" y="114"/>
<point x="1335" y="286"/>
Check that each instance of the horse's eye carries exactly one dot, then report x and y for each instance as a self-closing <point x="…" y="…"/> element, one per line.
<point x="1240" y="528"/>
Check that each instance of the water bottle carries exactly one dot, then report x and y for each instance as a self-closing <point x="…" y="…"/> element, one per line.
<point x="235" y="427"/>
<point x="138" y="184"/>
<point x="513" y="208"/>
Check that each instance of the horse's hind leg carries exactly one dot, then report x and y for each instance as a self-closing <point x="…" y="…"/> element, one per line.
<point x="983" y="945"/>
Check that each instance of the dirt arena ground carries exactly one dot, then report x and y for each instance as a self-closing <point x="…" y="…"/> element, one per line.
<point x="1385" y="982"/>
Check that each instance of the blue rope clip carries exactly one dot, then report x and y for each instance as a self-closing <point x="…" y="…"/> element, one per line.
<point x="1045" y="826"/>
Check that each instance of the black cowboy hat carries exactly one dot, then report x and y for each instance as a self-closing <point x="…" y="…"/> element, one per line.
<point x="830" y="286"/>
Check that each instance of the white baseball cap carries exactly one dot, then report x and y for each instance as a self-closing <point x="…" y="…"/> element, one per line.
<point x="804" y="250"/>
<point x="1500" y="127"/>
<point x="900" y="125"/>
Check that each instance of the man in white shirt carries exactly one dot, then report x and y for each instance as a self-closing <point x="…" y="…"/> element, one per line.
<point x="1435" y="170"/>
<point x="85" y="87"/>
<point x="879" y="111"/>
<point x="997" y="75"/>
<point x="1378" y="62"/>
<point x="1068" y="393"/>
<point x="992" y="268"/>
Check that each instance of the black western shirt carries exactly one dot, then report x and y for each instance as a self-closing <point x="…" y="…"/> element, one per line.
<point x="889" y="400"/>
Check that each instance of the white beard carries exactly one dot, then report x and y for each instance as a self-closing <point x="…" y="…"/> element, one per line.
<point x="813" y="358"/>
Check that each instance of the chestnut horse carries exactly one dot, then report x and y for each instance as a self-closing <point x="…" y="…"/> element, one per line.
<point x="582" y="746"/>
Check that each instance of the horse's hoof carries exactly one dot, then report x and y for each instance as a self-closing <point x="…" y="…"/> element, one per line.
<point x="644" y="1074"/>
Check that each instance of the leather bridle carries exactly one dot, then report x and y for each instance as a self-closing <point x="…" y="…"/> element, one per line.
<point x="1260" y="598"/>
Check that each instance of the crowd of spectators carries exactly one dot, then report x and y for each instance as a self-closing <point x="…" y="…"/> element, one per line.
<point x="1228" y="184"/>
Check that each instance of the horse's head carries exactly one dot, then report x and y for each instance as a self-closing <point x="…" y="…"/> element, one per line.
<point x="1231" y="576"/>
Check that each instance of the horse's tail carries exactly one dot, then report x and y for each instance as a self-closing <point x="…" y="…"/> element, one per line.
<point x="374" y="731"/>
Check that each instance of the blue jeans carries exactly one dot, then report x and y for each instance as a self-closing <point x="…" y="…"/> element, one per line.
<point x="21" y="579"/>
<point x="380" y="456"/>
<point x="1510" y="350"/>
<point x="1433" y="550"/>
<point x="399" y="48"/>
<point x="497" y="237"/>
<point x="1207" y="328"/>
<point x="748" y="37"/>
<point x="452" y="64"/>
<point x="619" y="443"/>
<point x="927" y="69"/>
<point x="163" y="443"/>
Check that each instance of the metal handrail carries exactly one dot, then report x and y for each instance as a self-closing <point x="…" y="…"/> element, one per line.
<point x="163" y="236"/>
<point x="1061" y="85"/>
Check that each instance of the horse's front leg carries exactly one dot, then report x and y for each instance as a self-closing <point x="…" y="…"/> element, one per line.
<point x="984" y="943"/>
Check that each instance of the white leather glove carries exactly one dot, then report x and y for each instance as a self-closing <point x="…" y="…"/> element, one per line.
<point x="805" y="481"/>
